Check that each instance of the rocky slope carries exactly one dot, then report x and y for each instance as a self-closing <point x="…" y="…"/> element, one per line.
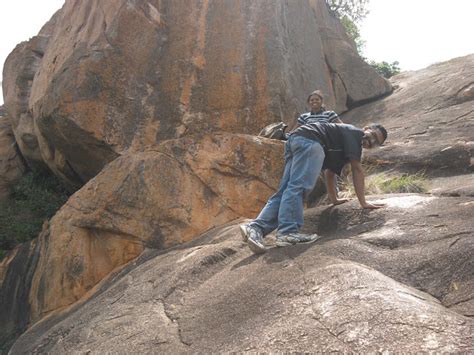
<point x="159" y="109"/>
<point x="156" y="119"/>
<point x="429" y="117"/>
<point x="396" y="279"/>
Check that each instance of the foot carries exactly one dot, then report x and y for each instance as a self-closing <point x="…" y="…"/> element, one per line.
<point x="254" y="238"/>
<point x="244" y="231"/>
<point x="295" y="238"/>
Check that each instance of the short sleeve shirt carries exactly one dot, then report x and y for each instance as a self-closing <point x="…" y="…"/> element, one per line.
<point x="321" y="116"/>
<point x="341" y="142"/>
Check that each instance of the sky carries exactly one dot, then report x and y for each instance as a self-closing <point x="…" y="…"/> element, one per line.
<point x="416" y="33"/>
<point x="19" y="21"/>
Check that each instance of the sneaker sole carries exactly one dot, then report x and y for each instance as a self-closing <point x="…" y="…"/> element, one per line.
<point x="283" y="244"/>
<point x="243" y="232"/>
<point x="286" y="244"/>
<point x="257" y="249"/>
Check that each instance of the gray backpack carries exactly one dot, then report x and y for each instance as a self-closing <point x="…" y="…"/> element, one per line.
<point x="274" y="131"/>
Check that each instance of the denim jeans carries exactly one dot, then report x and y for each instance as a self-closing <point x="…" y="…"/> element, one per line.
<point x="284" y="210"/>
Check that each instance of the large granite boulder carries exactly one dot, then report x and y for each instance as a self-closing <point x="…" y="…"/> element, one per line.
<point x="393" y="280"/>
<point x="118" y="75"/>
<point x="11" y="163"/>
<point x="430" y="119"/>
<point x="158" y="199"/>
<point x="19" y="72"/>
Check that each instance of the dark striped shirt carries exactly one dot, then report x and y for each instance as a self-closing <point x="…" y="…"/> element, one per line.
<point x="322" y="117"/>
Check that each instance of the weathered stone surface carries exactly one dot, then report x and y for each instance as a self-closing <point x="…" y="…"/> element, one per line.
<point x="161" y="99"/>
<point x="16" y="273"/>
<point x="351" y="79"/>
<point x="19" y="72"/>
<point x="121" y="75"/>
<point x="397" y="279"/>
<point x="11" y="163"/>
<point x="430" y="119"/>
<point x="159" y="198"/>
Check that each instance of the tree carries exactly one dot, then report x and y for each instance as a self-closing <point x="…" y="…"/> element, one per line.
<point x="354" y="10"/>
<point x="385" y="69"/>
<point x="351" y="13"/>
<point x="353" y="32"/>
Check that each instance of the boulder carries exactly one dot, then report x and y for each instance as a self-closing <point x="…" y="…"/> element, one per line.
<point x="158" y="199"/>
<point x="429" y="117"/>
<point x="11" y="163"/>
<point x="119" y="75"/>
<point x="19" y="72"/>
<point x="397" y="279"/>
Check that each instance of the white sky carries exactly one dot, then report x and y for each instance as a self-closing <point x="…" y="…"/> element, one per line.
<point x="416" y="33"/>
<point x="19" y="21"/>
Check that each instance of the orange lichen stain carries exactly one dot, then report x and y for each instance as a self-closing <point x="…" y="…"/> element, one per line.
<point x="74" y="260"/>
<point x="261" y="77"/>
<point x="198" y="59"/>
<point x="90" y="116"/>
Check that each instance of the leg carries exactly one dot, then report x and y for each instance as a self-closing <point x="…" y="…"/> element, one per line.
<point x="267" y="219"/>
<point x="308" y="157"/>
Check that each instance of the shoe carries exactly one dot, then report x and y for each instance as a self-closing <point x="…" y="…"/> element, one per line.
<point x="295" y="238"/>
<point x="245" y="231"/>
<point x="254" y="238"/>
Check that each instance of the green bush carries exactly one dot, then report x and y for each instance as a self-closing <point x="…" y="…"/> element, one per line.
<point x="387" y="70"/>
<point x="35" y="199"/>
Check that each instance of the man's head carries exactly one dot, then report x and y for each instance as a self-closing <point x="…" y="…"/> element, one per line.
<point x="315" y="100"/>
<point x="374" y="135"/>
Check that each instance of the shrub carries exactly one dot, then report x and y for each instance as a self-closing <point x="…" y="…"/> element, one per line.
<point x="385" y="183"/>
<point x="387" y="70"/>
<point x="35" y="199"/>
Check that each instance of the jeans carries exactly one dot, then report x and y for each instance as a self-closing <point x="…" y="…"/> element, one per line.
<point x="284" y="210"/>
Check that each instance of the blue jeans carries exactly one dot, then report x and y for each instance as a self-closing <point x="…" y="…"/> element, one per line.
<point x="284" y="210"/>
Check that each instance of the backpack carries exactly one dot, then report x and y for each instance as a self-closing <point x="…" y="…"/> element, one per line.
<point x="274" y="131"/>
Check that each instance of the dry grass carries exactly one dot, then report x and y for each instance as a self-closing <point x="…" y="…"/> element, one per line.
<point x="385" y="183"/>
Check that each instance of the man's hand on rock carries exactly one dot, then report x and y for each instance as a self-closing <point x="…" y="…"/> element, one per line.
<point x="340" y="201"/>
<point x="372" y="206"/>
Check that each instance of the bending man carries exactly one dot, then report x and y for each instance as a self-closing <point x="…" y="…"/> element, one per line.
<point x="310" y="148"/>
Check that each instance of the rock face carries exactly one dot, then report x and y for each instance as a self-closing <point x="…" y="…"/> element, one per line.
<point x="396" y="279"/>
<point x="429" y="117"/>
<point x="159" y="198"/>
<point x="11" y="164"/>
<point x="150" y="107"/>
<point x="117" y="76"/>
<point x="19" y="72"/>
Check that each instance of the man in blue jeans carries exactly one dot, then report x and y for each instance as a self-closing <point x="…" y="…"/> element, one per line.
<point x="310" y="148"/>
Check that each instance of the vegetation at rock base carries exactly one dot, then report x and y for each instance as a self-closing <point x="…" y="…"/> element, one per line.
<point x="387" y="70"/>
<point x="386" y="183"/>
<point x="35" y="199"/>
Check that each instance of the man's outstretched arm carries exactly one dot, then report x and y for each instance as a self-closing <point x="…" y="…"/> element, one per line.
<point x="358" y="180"/>
<point x="330" y="179"/>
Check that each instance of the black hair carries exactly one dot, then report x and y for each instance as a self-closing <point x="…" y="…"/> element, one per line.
<point x="315" y="92"/>
<point x="380" y="128"/>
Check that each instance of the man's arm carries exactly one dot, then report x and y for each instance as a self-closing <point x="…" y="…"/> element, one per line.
<point x="331" y="188"/>
<point x="359" y="185"/>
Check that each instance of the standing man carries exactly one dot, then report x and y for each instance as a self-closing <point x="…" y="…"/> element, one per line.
<point x="310" y="148"/>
